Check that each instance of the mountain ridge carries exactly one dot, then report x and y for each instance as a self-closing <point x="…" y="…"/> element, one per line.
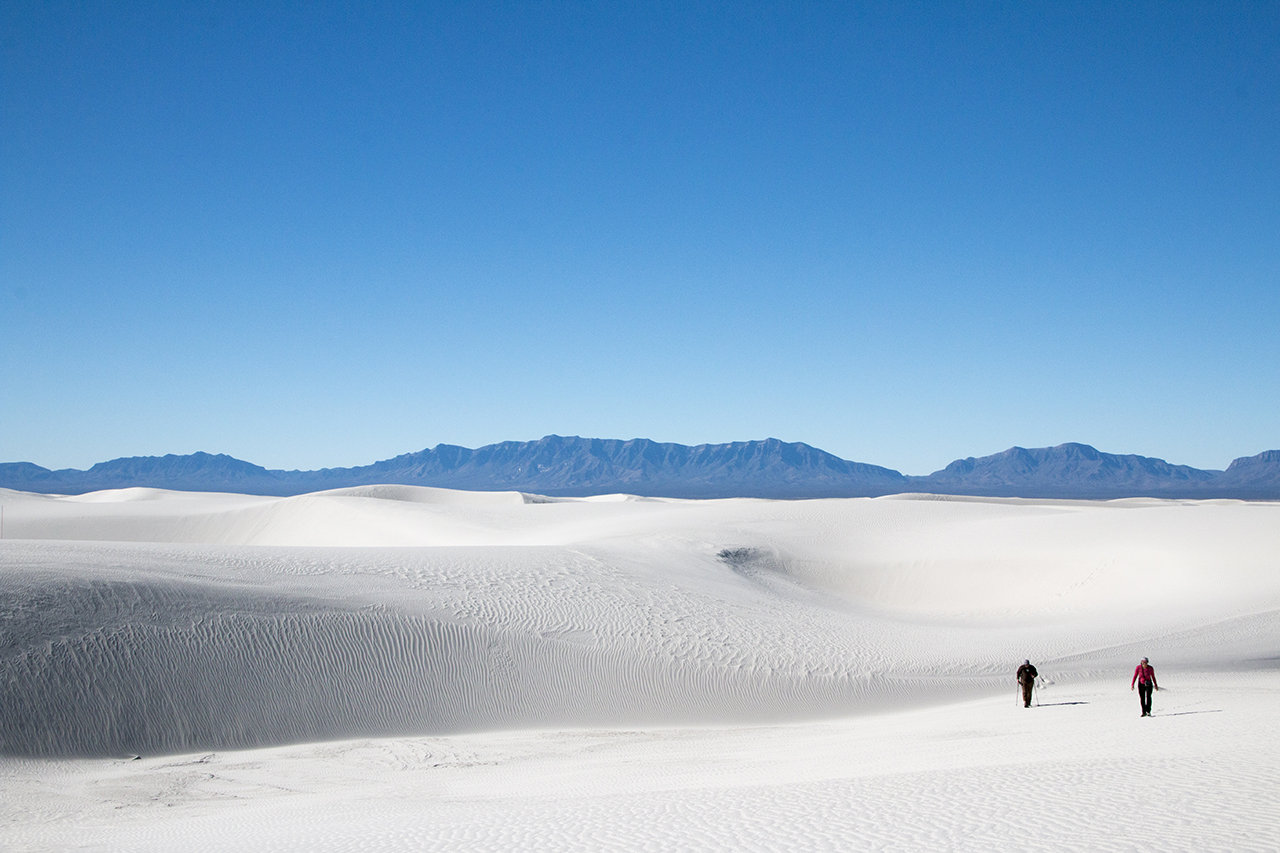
<point x="572" y="466"/>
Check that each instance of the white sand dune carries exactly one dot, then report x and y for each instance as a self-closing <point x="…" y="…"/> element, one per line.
<point x="545" y="658"/>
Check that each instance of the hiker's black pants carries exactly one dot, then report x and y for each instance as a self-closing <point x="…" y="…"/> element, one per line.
<point x="1026" y="693"/>
<point x="1144" y="696"/>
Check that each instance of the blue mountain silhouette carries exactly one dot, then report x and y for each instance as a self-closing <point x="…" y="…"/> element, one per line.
<point x="573" y="466"/>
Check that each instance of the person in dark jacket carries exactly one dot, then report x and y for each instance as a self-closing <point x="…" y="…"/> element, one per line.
<point x="1027" y="678"/>
<point x="1145" y="677"/>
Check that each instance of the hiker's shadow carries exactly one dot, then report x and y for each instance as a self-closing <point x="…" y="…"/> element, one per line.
<point x="1054" y="704"/>
<point x="1186" y="713"/>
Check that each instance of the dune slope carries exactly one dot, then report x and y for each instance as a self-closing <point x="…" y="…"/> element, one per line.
<point x="146" y="622"/>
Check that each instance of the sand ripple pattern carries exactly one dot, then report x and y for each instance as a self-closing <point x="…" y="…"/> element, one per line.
<point x="585" y="613"/>
<point x="107" y="661"/>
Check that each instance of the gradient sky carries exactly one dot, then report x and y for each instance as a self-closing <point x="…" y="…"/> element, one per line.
<point x="322" y="234"/>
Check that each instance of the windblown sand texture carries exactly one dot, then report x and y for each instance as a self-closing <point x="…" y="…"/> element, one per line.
<point x="395" y="667"/>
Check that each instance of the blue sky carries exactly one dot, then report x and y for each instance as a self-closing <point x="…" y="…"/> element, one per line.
<point x="315" y="235"/>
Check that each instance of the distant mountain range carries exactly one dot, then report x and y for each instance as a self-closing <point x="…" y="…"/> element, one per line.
<point x="573" y="466"/>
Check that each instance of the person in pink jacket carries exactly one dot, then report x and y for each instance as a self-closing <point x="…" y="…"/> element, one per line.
<point x="1145" y="677"/>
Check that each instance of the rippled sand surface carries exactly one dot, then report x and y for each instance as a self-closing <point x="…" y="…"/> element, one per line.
<point x="404" y="668"/>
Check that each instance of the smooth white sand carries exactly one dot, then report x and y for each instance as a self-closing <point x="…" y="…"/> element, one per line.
<point x="421" y="668"/>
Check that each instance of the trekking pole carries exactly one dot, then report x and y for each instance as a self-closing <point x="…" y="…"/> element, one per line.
<point x="1036" y="687"/>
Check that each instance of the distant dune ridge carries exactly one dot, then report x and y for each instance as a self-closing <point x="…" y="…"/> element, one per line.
<point x="579" y="467"/>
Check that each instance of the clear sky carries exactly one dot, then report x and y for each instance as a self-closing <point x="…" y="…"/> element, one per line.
<point x="323" y="234"/>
